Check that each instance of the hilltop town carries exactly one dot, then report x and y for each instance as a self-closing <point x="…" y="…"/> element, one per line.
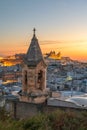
<point x="62" y="73"/>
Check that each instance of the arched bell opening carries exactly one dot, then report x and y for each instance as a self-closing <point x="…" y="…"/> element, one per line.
<point x="25" y="78"/>
<point x="40" y="77"/>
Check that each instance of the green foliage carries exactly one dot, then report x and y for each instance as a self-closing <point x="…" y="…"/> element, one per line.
<point x="58" y="120"/>
<point x="39" y="122"/>
<point x="3" y="114"/>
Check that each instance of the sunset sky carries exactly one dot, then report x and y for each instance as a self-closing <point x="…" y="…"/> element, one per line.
<point x="61" y="26"/>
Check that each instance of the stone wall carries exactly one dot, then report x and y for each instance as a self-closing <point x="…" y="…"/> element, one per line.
<point x="24" y="109"/>
<point x="21" y="110"/>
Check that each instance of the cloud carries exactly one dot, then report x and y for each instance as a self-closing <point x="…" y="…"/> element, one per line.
<point x="62" y="41"/>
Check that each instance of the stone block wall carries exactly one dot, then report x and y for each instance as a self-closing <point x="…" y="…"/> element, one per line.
<point x="25" y="110"/>
<point x="21" y="110"/>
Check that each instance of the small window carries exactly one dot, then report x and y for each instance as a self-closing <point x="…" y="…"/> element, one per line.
<point x="39" y="76"/>
<point x="25" y="77"/>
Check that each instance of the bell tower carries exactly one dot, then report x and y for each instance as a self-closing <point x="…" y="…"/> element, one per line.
<point x="33" y="73"/>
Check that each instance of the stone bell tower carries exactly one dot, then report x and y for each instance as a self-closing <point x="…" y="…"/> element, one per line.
<point x="33" y="74"/>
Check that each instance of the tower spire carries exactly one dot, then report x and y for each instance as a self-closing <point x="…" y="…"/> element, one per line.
<point x="34" y="31"/>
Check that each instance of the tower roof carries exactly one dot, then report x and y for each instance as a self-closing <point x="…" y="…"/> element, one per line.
<point x="34" y="54"/>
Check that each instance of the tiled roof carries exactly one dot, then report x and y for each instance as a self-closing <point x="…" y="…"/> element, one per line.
<point x="34" y="54"/>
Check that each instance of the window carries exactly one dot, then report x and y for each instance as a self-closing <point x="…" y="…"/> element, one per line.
<point x="25" y="77"/>
<point x="39" y="76"/>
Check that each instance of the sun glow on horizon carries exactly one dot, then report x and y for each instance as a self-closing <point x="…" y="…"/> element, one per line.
<point x="75" y="49"/>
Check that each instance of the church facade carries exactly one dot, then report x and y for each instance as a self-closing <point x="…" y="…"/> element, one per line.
<point x="34" y="74"/>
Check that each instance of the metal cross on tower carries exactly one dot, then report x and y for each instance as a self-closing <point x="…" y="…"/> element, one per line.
<point x="34" y="31"/>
